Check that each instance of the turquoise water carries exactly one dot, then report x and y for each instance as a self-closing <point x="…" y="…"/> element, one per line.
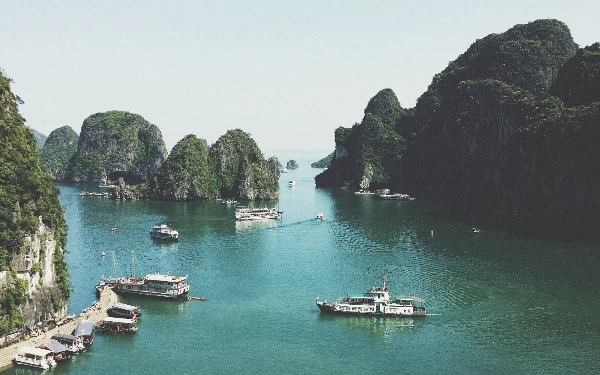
<point x="498" y="304"/>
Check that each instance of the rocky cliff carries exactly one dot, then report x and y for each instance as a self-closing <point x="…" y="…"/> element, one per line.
<point x="34" y="281"/>
<point x="187" y="174"/>
<point x="60" y="146"/>
<point x="117" y="144"/>
<point x="241" y="169"/>
<point x="507" y="132"/>
<point x="368" y="154"/>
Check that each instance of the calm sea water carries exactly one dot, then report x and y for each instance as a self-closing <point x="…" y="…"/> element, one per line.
<point x="498" y="304"/>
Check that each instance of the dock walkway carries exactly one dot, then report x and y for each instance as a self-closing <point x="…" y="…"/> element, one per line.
<point x="107" y="298"/>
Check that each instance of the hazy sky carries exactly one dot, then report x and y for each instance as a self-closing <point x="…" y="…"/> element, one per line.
<point x="287" y="72"/>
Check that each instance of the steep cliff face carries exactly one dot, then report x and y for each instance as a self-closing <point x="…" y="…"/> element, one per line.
<point x="60" y="146"/>
<point x="497" y="143"/>
<point x="117" y="144"/>
<point x="368" y="155"/>
<point x="187" y="173"/>
<point x="241" y="169"/>
<point x="33" y="277"/>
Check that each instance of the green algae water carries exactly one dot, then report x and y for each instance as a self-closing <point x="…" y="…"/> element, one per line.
<point x="498" y="304"/>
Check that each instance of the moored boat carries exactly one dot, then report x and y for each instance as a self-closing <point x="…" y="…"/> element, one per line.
<point x="85" y="331"/>
<point x="117" y="325"/>
<point x="35" y="357"/>
<point x="163" y="232"/>
<point x="376" y="302"/>
<point x="74" y="343"/>
<point x="154" y="285"/>
<point x="122" y="310"/>
<point x="61" y="352"/>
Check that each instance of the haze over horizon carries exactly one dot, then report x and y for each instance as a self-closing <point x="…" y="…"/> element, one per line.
<point x="289" y="73"/>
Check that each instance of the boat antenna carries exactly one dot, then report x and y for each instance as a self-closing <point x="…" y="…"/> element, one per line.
<point x="132" y="263"/>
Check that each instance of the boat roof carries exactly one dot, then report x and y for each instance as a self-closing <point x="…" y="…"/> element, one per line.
<point x="414" y="298"/>
<point x="118" y="320"/>
<point x="84" y="328"/>
<point x="34" y="351"/>
<point x="167" y="278"/>
<point x="64" y="336"/>
<point x="54" y="346"/>
<point x="123" y="306"/>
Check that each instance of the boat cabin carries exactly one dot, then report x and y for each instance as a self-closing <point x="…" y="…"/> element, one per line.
<point x="85" y="331"/>
<point x="122" y="310"/>
<point x="74" y="343"/>
<point x="60" y="351"/>
<point x="118" y="325"/>
<point x="35" y="357"/>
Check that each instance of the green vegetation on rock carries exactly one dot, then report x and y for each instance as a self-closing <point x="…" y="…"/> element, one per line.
<point x="117" y="144"/>
<point x="59" y="148"/>
<point x="25" y="195"/>
<point x="241" y="169"/>
<point x="507" y="132"/>
<point x="323" y="163"/>
<point x="187" y="173"/>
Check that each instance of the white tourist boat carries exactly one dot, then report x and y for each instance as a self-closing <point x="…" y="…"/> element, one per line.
<point x="321" y="216"/>
<point x="35" y="357"/>
<point x="291" y="183"/>
<point x="163" y="232"/>
<point x="375" y="302"/>
<point x="155" y="285"/>
<point x="123" y="310"/>
<point x="117" y="325"/>
<point x="247" y="213"/>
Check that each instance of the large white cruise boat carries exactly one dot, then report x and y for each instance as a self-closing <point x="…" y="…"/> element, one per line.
<point x="247" y="213"/>
<point x="155" y="285"/>
<point x="376" y="302"/>
<point x="163" y="232"/>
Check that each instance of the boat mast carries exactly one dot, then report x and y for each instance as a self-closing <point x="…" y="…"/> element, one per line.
<point x="114" y="259"/>
<point x="132" y="263"/>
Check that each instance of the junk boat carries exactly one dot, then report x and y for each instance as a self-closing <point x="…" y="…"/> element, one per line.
<point x="163" y="232"/>
<point x="122" y="310"/>
<point x="375" y="302"/>
<point x="155" y="285"/>
<point x="117" y="325"/>
<point x="35" y="357"/>
<point x="85" y="331"/>
<point x="247" y="213"/>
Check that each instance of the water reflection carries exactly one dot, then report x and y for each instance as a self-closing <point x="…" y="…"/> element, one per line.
<point x="252" y="225"/>
<point x="381" y="328"/>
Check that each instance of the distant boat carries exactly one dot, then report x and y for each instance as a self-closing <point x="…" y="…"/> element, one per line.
<point x="122" y="310"/>
<point x="229" y="201"/>
<point x="321" y="216"/>
<point x="283" y="170"/>
<point x="291" y="183"/>
<point x="163" y="232"/>
<point x="375" y="302"/>
<point x="247" y="213"/>
<point x="85" y="331"/>
<point x="154" y="285"/>
<point x="476" y="231"/>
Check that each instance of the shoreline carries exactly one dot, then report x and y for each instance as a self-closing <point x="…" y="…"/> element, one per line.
<point x="107" y="298"/>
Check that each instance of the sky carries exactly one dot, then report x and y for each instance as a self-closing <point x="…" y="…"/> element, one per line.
<point x="286" y="72"/>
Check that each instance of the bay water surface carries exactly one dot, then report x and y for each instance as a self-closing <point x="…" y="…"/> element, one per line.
<point x="497" y="303"/>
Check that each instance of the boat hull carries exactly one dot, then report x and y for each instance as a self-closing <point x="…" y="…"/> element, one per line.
<point x="145" y="293"/>
<point x="367" y="310"/>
